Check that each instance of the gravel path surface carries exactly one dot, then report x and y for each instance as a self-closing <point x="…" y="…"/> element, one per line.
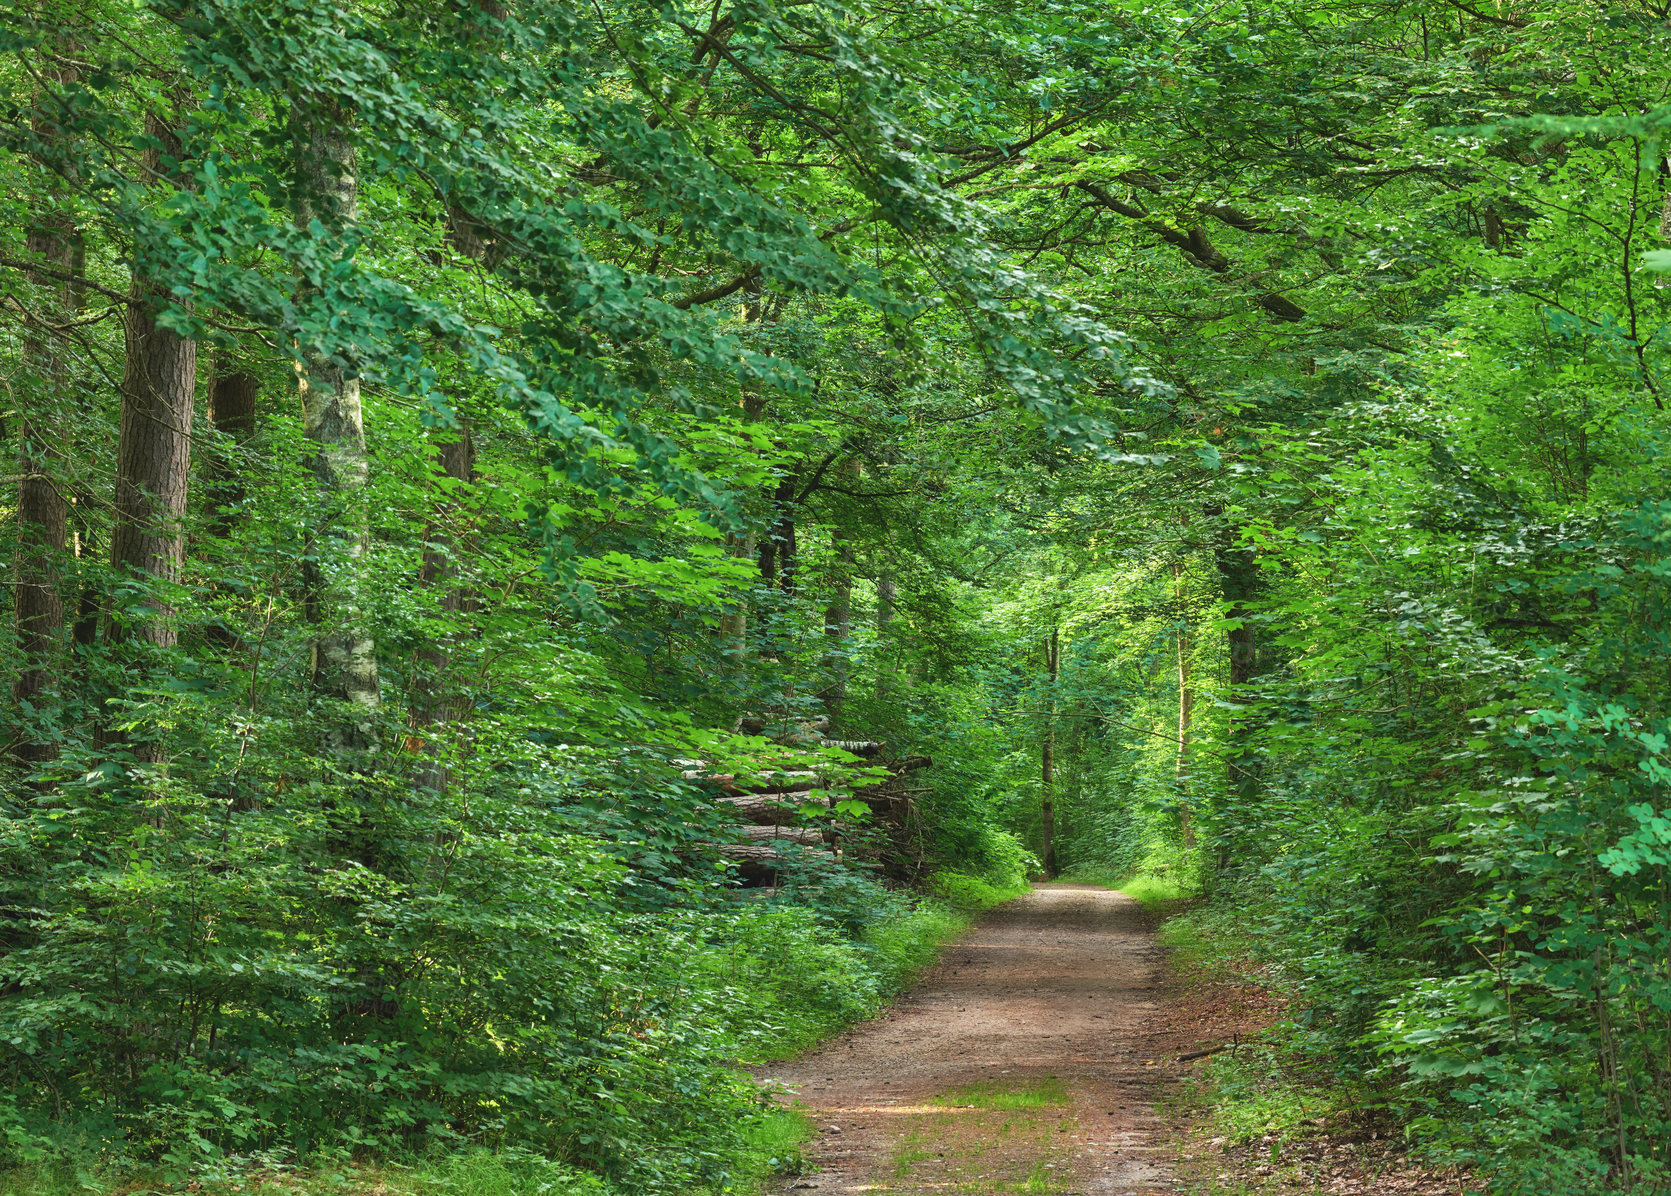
<point x="1054" y="998"/>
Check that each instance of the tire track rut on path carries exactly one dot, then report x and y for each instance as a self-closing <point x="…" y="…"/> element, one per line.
<point x="1057" y="994"/>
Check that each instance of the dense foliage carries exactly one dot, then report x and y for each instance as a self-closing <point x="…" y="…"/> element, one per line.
<point x="1229" y="440"/>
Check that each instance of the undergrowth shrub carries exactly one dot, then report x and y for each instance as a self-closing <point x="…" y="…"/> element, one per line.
<point x="502" y="982"/>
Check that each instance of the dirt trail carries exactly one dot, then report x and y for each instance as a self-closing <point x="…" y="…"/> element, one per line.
<point x="1026" y="1062"/>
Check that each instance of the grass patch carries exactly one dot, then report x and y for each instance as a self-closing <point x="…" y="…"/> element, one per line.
<point x="1149" y="887"/>
<point x="1033" y="1093"/>
<point x="775" y="1146"/>
<point x="1152" y="890"/>
<point x="1205" y="944"/>
<point x="1253" y="1097"/>
<point x="482" y="1173"/>
<point x="970" y="894"/>
<point x="908" y="1154"/>
<point x="1095" y="874"/>
<point x="996" y="1138"/>
<point x="1039" y="1181"/>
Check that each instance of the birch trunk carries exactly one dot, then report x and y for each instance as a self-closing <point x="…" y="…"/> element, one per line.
<point x="344" y="660"/>
<point x="1047" y="757"/>
<point x="435" y="701"/>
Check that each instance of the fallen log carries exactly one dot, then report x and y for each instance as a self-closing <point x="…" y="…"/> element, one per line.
<point x="883" y="792"/>
<point x="766" y="807"/>
<point x="764" y="854"/>
<point x="782" y="782"/>
<point x="788" y="834"/>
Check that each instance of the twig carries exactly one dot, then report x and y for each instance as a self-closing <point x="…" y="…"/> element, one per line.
<point x="1223" y="1046"/>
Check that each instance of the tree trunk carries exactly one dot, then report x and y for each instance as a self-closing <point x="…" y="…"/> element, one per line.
<point x="777" y="550"/>
<point x="434" y="703"/>
<point x="344" y="664"/>
<point x="838" y="622"/>
<point x="42" y="505"/>
<point x="232" y="412"/>
<point x="232" y="405"/>
<point x="1238" y="575"/>
<point x="153" y="454"/>
<point x="733" y="625"/>
<point x="1186" y="707"/>
<point x="1047" y="757"/>
<point x="153" y="459"/>
<point x="887" y="609"/>
<point x="42" y="509"/>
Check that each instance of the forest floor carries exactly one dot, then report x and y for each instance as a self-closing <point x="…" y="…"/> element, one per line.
<point x="1041" y="1056"/>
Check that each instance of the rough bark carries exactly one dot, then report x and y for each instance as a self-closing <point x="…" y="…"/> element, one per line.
<point x="153" y="459"/>
<point x="153" y="454"/>
<point x="232" y="404"/>
<point x="887" y="603"/>
<point x="344" y="663"/>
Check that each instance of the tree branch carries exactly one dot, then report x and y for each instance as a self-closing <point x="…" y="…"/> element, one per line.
<point x="715" y="293"/>
<point x="1196" y="248"/>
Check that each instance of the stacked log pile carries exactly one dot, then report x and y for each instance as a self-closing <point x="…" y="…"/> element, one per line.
<point x="771" y="812"/>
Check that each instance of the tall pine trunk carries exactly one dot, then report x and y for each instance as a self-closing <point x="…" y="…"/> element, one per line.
<point x="42" y="507"/>
<point x="42" y="504"/>
<point x="153" y="455"/>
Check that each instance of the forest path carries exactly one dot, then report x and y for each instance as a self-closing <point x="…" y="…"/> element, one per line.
<point x="1027" y="1061"/>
